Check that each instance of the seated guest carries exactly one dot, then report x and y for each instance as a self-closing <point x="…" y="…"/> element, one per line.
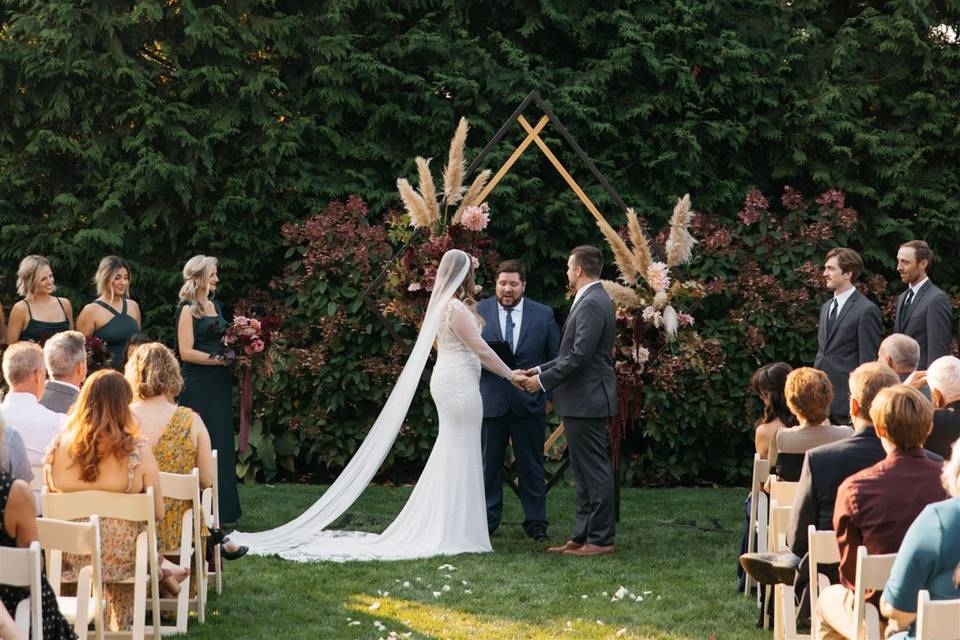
<point x="928" y="556"/>
<point x="65" y="355"/>
<point x="13" y="455"/>
<point x="876" y="506"/>
<point x="901" y="353"/>
<point x="809" y="394"/>
<point x="26" y="376"/>
<point x="943" y="378"/>
<point x="40" y="314"/>
<point x="768" y="382"/>
<point x="176" y="434"/>
<point x="18" y="528"/>
<point x="100" y="449"/>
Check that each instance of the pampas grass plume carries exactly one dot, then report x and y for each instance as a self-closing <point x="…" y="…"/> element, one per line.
<point x="621" y="253"/>
<point x="473" y="194"/>
<point x="453" y="172"/>
<point x="427" y="189"/>
<point x="622" y="296"/>
<point x="670" y="322"/>
<point x="680" y="242"/>
<point x="641" y="247"/>
<point x="414" y="204"/>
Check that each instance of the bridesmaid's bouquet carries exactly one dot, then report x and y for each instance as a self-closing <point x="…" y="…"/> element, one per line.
<point x="245" y="340"/>
<point x="98" y="355"/>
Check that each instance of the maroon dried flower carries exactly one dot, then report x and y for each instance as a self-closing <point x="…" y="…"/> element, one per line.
<point x="792" y="200"/>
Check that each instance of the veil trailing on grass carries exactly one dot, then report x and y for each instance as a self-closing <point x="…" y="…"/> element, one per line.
<point x="453" y="269"/>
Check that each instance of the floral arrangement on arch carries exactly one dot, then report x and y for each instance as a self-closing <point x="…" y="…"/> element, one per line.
<point x="453" y="218"/>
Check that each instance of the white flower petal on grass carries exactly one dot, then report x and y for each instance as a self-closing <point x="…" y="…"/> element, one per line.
<point x="621" y="632"/>
<point x="406" y="584"/>
<point x="355" y="622"/>
<point x="604" y="594"/>
<point x="468" y="591"/>
<point x="646" y="593"/>
<point x="600" y="622"/>
<point x="584" y="597"/>
<point x="465" y="583"/>
<point x="446" y="567"/>
<point x="374" y="606"/>
<point x="436" y="594"/>
<point x="446" y="587"/>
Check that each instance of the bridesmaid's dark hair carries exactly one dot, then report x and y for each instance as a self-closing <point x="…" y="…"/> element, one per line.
<point x="768" y="382"/>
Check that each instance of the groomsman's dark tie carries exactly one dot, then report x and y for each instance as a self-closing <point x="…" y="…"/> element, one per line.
<point x="907" y="301"/>
<point x="832" y="317"/>
<point x="508" y="333"/>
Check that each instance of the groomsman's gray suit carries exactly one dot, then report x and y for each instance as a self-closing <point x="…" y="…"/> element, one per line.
<point x="58" y="396"/>
<point x="852" y="340"/>
<point x="928" y="320"/>
<point x="584" y="390"/>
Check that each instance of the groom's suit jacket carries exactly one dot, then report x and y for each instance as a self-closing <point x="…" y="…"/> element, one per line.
<point x="537" y="342"/>
<point x="853" y="340"/>
<point x="581" y="376"/>
<point x="927" y="320"/>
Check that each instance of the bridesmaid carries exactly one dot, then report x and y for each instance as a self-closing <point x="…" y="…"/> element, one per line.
<point x="208" y="384"/>
<point x="40" y="314"/>
<point x="112" y="317"/>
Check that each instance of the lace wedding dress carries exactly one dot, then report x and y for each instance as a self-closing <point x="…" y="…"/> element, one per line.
<point x="446" y="512"/>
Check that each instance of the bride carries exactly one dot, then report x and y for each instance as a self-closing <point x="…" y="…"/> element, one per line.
<point x="446" y="512"/>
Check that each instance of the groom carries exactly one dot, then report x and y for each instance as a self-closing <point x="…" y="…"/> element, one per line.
<point x="585" y="393"/>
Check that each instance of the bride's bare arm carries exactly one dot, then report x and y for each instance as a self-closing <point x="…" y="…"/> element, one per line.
<point x="464" y="326"/>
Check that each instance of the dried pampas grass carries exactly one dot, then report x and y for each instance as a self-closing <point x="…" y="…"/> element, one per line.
<point x="472" y="197"/>
<point x="670" y="322"/>
<point x="454" y="171"/>
<point x="622" y="296"/>
<point x="427" y="189"/>
<point x="641" y="247"/>
<point x="621" y="253"/>
<point x="680" y="242"/>
<point x="413" y="202"/>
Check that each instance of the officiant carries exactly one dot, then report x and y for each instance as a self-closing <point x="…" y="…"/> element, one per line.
<point x="524" y="331"/>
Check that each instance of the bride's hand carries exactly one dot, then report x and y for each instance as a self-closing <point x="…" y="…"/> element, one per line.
<point x="518" y="377"/>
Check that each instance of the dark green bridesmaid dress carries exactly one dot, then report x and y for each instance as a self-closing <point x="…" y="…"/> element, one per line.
<point x="208" y="390"/>
<point x="39" y="330"/>
<point x="117" y="332"/>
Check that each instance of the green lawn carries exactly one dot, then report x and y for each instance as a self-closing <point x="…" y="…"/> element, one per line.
<point x="676" y="550"/>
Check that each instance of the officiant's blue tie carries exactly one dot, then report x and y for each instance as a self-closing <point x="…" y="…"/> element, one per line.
<point x="508" y="332"/>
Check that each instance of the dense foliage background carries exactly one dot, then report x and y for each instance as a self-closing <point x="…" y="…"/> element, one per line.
<point x="161" y="130"/>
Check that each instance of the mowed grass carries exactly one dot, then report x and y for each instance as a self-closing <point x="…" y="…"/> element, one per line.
<point x="676" y="553"/>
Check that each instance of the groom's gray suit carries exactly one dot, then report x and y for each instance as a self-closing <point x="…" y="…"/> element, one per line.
<point x="584" y="390"/>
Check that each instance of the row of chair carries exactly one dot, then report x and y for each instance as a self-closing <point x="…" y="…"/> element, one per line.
<point x="58" y="534"/>
<point x="769" y="518"/>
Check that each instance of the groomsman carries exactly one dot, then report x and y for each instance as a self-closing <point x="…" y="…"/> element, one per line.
<point x="924" y="311"/>
<point x="849" y="331"/>
<point x="531" y="332"/>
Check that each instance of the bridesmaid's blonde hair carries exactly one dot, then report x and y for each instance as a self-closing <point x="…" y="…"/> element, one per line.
<point x="196" y="282"/>
<point x="28" y="274"/>
<point x="106" y="270"/>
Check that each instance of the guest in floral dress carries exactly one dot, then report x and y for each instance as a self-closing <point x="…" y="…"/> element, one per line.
<point x="99" y="449"/>
<point x="18" y="528"/>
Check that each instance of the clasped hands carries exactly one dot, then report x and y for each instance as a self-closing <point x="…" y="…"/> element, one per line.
<point x="527" y="380"/>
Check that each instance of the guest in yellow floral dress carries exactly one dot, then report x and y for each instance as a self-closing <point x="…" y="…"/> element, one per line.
<point x="99" y="449"/>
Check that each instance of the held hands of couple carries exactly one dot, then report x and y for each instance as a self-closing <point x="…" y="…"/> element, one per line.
<point x="528" y="380"/>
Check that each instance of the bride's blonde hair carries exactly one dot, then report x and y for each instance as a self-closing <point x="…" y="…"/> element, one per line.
<point x="196" y="282"/>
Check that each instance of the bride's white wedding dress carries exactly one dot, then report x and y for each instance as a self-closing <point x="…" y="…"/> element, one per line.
<point x="446" y="512"/>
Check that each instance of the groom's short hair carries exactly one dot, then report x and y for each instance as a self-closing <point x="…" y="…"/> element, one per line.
<point x="512" y="266"/>
<point x="588" y="258"/>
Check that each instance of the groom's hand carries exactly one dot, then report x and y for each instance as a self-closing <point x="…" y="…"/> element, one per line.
<point x="532" y="371"/>
<point x="518" y="378"/>
<point x="532" y="384"/>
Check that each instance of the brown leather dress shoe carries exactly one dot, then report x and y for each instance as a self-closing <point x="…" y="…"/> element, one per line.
<point x="589" y="550"/>
<point x="566" y="546"/>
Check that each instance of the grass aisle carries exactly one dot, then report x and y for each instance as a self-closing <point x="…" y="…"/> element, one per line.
<point x="676" y="550"/>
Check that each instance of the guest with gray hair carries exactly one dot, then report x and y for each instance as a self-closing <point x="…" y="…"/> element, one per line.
<point x="943" y="378"/>
<point x="901" y="353"/>
<point x="26" y="376"/>
<point x="65" y="355"/>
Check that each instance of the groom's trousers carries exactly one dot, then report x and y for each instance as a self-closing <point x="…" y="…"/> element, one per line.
<point x="590" y="463"/>
<point x="527" y="434"/>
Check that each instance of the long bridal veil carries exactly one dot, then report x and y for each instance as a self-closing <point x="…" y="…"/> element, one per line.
<point x="454" y="267"/>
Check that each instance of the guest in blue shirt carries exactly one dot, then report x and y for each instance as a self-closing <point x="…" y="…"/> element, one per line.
<point x="927" y="557"/>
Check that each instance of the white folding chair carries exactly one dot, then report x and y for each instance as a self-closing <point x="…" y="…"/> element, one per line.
<point x="821" y="549"/>
<point x="937" y="619"/>
<point x="782" y="491"/>
<point x="757" y="528"/>
<point x="80" y="538"/>
<point x="135" y="507"/>
<point x="185" y="487"/>
<point x="210" y="502"/>
<point x="21" y="568"/>
<point x="777" y="543"/>
<point x="872" y="573"/>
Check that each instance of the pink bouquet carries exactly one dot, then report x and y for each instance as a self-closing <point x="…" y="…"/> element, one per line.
<point x="250" y="337"/>
<point x="248" y="334"/>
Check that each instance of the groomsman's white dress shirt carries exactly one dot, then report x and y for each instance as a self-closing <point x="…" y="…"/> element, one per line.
<point x="34" y="422"/>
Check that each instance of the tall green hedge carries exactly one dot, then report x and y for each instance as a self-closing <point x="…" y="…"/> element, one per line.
<point x="160" y="130"/>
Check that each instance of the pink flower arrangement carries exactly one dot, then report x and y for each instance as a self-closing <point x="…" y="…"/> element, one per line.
<point x="476" y="218"/>
<point x="685" y="319"/>
<point x="247" y="333"/>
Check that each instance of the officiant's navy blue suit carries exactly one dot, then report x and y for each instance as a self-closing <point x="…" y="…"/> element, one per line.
<point x="511" y="413"/>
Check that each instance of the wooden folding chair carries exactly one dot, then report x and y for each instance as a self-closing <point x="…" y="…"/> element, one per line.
<point x="21" y="568"/>
<point x="872" y="573"/>
<point x="210" y="502"/>
<point x="757" y="528"/>
<point x="821" y="549"/>
<point x="81" y="538"/>
<point x="937" y="619"/>
<point x="185" y="487"/>
<point x="135" y="507"/>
